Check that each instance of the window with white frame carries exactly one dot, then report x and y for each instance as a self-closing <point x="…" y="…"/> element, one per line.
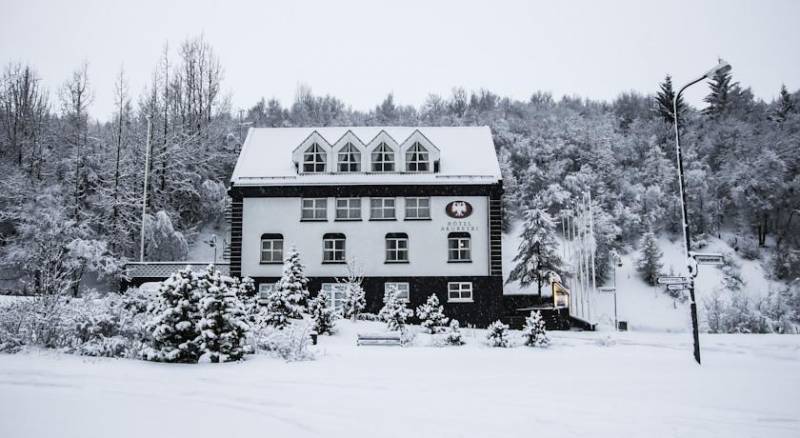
<point x="397" y="248"/>
<point x="403" y="290"/>
<point x="417" y="158"/>
<point x="314" y="209"/>
<point x="459" y="247"/>
<point x="271" y="248"/>
<point x="459" y="291"/>
<point x="418" y="208"/>
<point x="381" y="208"/>
<point x="265" y="289"/>
<point x="314" y="159"/>
<point x="383" y="158"/>
<point x="336" y="294"/>
<point x="333" y="248"/>
<point x="349" y="159"/>
<point x="348" y="209"/>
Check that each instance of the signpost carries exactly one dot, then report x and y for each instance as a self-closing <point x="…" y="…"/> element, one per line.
<point x="708" y="258"/>
<point x="678" y="286"/>
<point x="672" y="280"/>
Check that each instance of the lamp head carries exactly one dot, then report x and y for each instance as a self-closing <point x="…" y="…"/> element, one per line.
<point x="721" y="68"/>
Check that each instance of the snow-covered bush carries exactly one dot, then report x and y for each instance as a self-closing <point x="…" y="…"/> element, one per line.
<point x="497" y="335"/>
<point x="733" y="312"/>
<point x="289" y="298"/>
<point x="223" y="324"/>
<point x="394" y="312"/>
<point x="453" y="334"/>
<point x="777" y="309"/>
<point x="786" y="263"/>
<point x="248" y="296"/>
<point x="291" y="343"/>
<point x="748" y="249"/>
<point x="322" y="314"/>
<point x="431" y="315"/>
<point x="369" y="317"/>
<point x="173" y="325"/>
<point x="355" y="300"/>
<point x="163" y="242"/>
<point x="534" y="333"/>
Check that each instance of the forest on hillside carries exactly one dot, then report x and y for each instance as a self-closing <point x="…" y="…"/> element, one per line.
<point x="71" y="185"/>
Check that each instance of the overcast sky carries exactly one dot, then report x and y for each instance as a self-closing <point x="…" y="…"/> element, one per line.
<point x="362" y="50"/>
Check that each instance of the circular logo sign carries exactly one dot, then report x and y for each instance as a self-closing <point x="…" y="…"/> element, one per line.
<point x="458" y="209"/>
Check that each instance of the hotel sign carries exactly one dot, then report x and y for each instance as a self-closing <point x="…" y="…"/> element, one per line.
<point x="458" y="209"/>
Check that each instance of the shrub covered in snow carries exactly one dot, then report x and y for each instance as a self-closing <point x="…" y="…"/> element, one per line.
<point x="394" y="312"/>
<point x="431" y="315"/>
<point x="223" y="323"/>
<point x="322" y="314"/>
<point x="290" y="343"/>
<point x="534" y="333"/>
<point x="497" y="335"/>
<point x="453" y="335"/>
<point x="173" y="326"/>
<point x="289" y="298"/>
<point x="355" y="300"/>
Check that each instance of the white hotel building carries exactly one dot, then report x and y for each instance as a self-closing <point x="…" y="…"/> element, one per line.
<point x="415" y="208"/>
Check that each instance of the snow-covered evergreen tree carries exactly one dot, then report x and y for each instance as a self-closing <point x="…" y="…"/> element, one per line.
<point x="355" y="299"/>
<point x="538" y="252"/>
<point x="248" y="296"/>
<point x="431" y="315"/>
<point x="534" y="332"/>
<point x="290" y="297"/>
<point x="649" y="263"/>
<point x="223" y="322"/>
<point x="453" y="336"/>
<point x="664" y="100"/>
<point x="322" y="314"/>
<point x="394" y="311"/>
<point x="173" y="325"/>
<point x="497" y="334"/>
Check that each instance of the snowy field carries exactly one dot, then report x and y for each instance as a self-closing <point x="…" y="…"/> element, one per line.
<point x="633" y="384"/>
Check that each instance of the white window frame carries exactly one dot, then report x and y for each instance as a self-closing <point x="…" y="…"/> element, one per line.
<point x="271" y="241"/>
<point x="392" y="247"/>
<point x="350" y="207"/>
<point x="383" y="208"/>
<point x="459" y="292"/>
<point x="403" y="289"/>
<point x="348" y="157"/>
<point x="460" y="249"/>
<point x="315" y="157"/>
<point x="337" y="295"/>
<point x="317" y="210"/>
<point x="383" y="158"/>
<point x="418" y="159"/>
<point x="264" y="289"/>
<point x="335" y="253"/>
<point x="416" y="212"/>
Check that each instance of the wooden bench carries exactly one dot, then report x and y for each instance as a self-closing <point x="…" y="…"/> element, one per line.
<point x="388" y="338"/>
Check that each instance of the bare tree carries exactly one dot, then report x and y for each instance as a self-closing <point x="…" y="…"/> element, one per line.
<point x="75" y="97"/>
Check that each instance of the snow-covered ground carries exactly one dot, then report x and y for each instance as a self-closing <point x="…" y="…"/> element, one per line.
<point x="638" y="384"/>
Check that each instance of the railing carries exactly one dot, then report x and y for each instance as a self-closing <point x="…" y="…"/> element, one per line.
<point x="155" y="270"/>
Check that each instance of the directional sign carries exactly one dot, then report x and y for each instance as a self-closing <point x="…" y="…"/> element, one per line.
<point x="672" y="280"/>
<point x="607" y="289"/>
<point x="680" y="286"/>
<point x="708" y="259"/>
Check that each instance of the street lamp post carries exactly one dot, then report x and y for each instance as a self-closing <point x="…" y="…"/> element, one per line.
<point x="144" y="191"/>
<point x="722" y="67"/>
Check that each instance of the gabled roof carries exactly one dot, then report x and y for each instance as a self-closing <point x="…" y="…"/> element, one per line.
<point x="467" y="156"/>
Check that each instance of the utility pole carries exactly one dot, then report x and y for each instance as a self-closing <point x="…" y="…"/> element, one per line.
<point x="144" y="195"/>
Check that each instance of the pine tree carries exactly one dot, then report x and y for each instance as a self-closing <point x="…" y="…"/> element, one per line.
<point x="454" y="333"/>
<point x="223" y="323"/>
<point x="394" y="312"/>
<point x="290" y="297"/>
<point x="720" y="97"/>
<point x="498" y="335"/>
<point x="322" y="314"/>
<point x="785" y="106"/>
<point x="173" y="326"/>
<point x="248" y="296"/>
<point x="538" y="252"/>
<point x="664" y="101"/>
<point x="355" y="300"/>
<point x="432" y="315"/>
<point x="534" y="333"/>
<point x="649" y="262"/>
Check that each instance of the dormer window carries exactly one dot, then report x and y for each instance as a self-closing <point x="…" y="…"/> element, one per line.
<point x="383" y="158"/>
<point x="314" y="159"/>
<point x="417" y="159"/>
<point x="349" y="159"/>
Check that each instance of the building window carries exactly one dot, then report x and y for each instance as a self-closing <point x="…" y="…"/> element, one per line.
<point x="314" y="159"/>
<point x="459" y="292"/>
<point x="333" y="248"/>
<point x="265" y="289"/>
<point x="271" y="248"/>
<point x="403" y="290"/>
<point x="418" y="208"/>
<point x="349" y="159"/>
<point x="381" y="208"/>
<point x="336" y="294"/>
<point x="458" y="248"/>
<point x="348" y="209"/>
<point x="417" y="158"/>
<point x="397" y="248"/>
<point x="383" y="159"/>
<point x="314" y="209"/>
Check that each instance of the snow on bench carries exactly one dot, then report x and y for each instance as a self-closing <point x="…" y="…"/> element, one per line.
<point x="387" y="338"/>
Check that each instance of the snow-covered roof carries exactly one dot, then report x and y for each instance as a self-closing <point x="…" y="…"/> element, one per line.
<point x="466" y="155"/>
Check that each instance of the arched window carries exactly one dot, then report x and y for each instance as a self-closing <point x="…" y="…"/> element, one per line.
<point x="459" y="249"/>
<point x="271" y="248"/>
<point x="383" y="158"/>
<point x="333" y="248"/>
<point x="397" y="248"/>
<point x="417" y="158"/>
<point x="314" y="159"/>
<point x="349" y="159"/>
